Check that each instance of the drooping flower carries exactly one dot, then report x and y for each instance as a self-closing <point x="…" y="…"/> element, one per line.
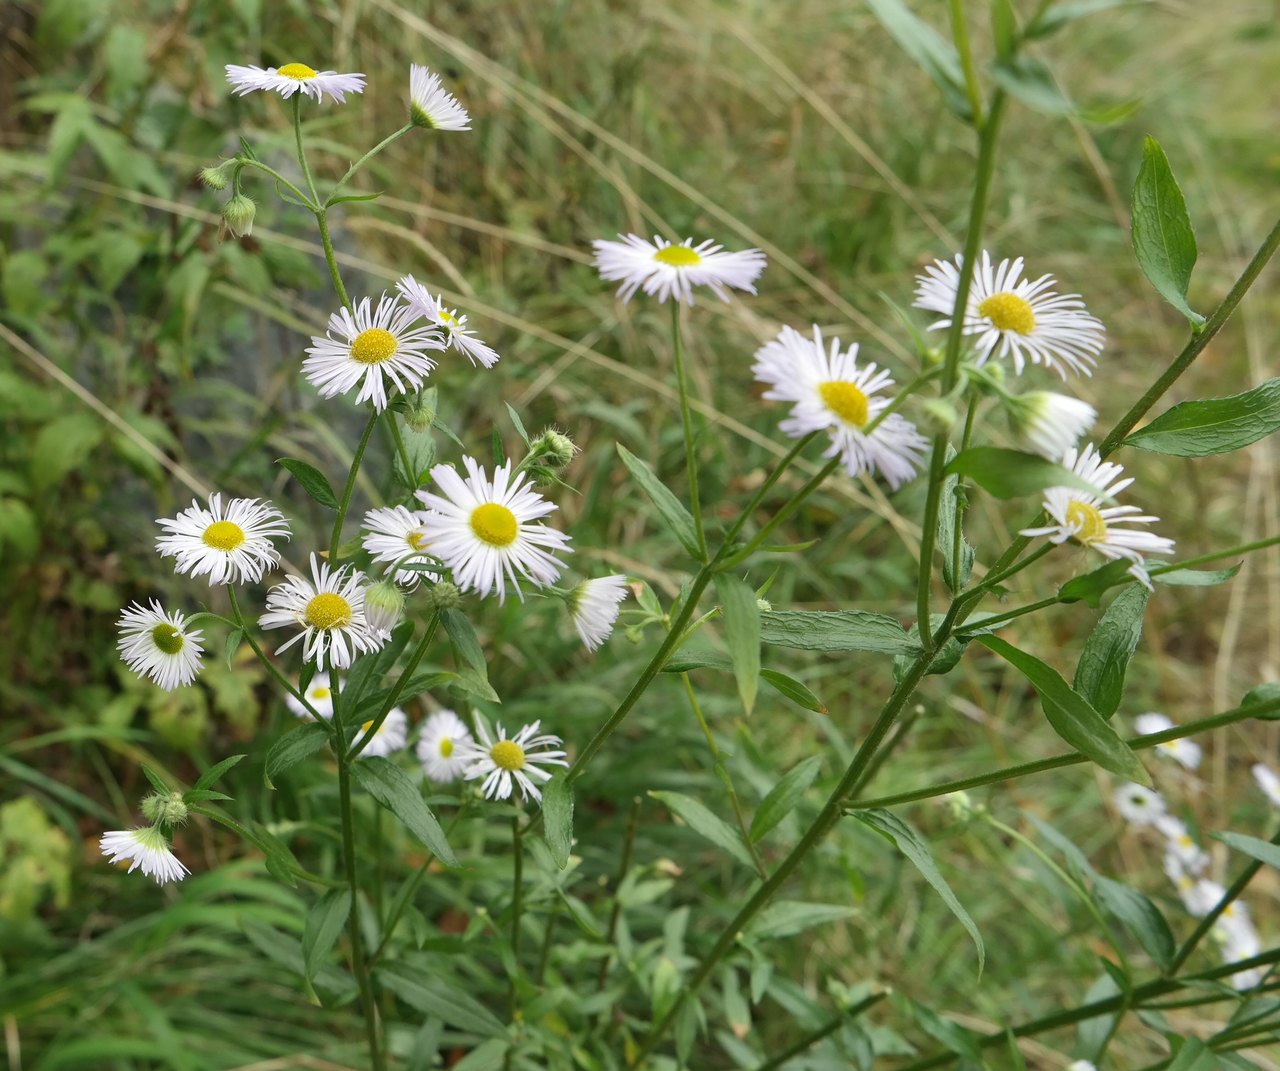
<point x="319" y="695"/>
<point x="158" y="646"/>
<point x="1139" y="805"/>
<point x="294" y="78"/>
<point x="373" y="347"/>
<point x="485" y="532"/>
<point x="329" y="610"/>
<point x="389" y="738"/>
<point x="664" y="270"/>
<point x="451" y="322"/>
<point x="232" y="543"/>
<point x="147" y="848"/>
<point x="502" y="762"/>
<point x="1082" y="516"/>
<point x="1186" y="753"/>
<point x="431" y="106"/>
<point x="1023" y="320"/>
<point x="594" y="605"/>
<point x="829" y="392"/>
<point x="444" y="748"/>
<point x="1050" y="424"/>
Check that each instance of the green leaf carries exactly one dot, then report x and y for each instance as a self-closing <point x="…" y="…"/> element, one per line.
<point x="469" y="654"/>
<point x="835" y="630"/>
<point x="1163" y="240"/>
<point x="1194" y="1055"/>
<point x="670" y="508"/>
<point x="688" y="658"/>
<point x="297" y="744"/>
<point x="1264" y="693"/>
<point x="706" y="824"/>
<point x="742" y="634"/>
<point x="913" y="846"/>
<point x="1213" y="425"/>
<point x="557" y="818"/>
<point x="213" y="773"/>
<point x="1013" y="474"/>
<point x="61" y="446"/>
<point x="1261" y="850"/>
<point x="1091" y="586"/>
<point x="1099" y="678"/>
<point x="783" y="797"/>
<point x="949" y="515"/>
<point x="793" y="690"/>
<point x="312" y="479"/>
<point x="1139" y="916"/>
<point x="390" y="786"/>
<point x="424" y="987"/>
<point x="1004" y="26"/>
<point x="928" y="48"/>
<point x="1194" y="578"/>
<point x="1060" y="14"/>
<point x="157" y="782"/>
<point x="323" y="926"/>
<point x="786" y="918"/>
<point x="353" y="197"/>
<point x="1071" y="716"/>
<point x="517" y="423"/>
<point x="232" y="645"/>
<point x="487" y="1056"/>
<point x="1031" y="82"/>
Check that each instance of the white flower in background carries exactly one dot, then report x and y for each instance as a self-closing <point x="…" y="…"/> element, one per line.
<point x="1082" y="516"/>
<point x="232" y="543"/>
<point x="829" y="392"/>
<point x="1048" y="423"/>
<point x="444" y="748"/>
<point x="1023" y="320"/>
<point x="330" y="612"/>
<point x="431" y="106"/>
<point x="1190" y="857"/>
<point x="373" y="346"/>
<point x="319" y="695"/>
<point x="1268" y="781"/>
<point x="1200" y="896"/>
<point x="158" y="646"/>
<point x="594" y="605"/>
<point x="394" y="534"/>
<point x="664" y="270"/>
<point x="147" y="848"/>
<point x="1139" y="805"/>
<point x="484" y="530"/>
<point x="501" y="761"/>
<point x="1186" y="753"/>
<point x="454" y="324"/>
<point x="294" y="78"/>
<point x="1082" y="1065"/>
<point x="1237" y="940"/>
<point x="390" y="737"/>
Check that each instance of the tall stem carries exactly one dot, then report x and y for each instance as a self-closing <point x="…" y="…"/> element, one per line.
<point x="517" y="906"/>
<point x="322" y="221"/>
<point x="686" y="420"/>
<point x="344" y="503"/>
<point x="358" y="963"/>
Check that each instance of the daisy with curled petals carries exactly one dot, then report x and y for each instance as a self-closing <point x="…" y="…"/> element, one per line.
<point x="484" y="531"/>
<point x="319" y="695"/>
<point x="431" y="106"/>
<point x="394" y="534"/>
<point x="294" y="78"/>
<point x="664" y="270"/>
<point x="330" y="611"/>
<point x="829" y="392"/>
<point x="444" y="748"/>
<point x="1021" y="319"/>
<point x="451" y="322"/>
<point x="501" y="762"/>
<point x="232" y="543"/>
<point x="1081" y="516"/>
<point x="373" y="345"/>
<point x="389" y="738"/>
<point x="594" y="605"/>
<point x="147" y="848"/>
<point x="157" y="645"/>
<point x="1186" y="753"/>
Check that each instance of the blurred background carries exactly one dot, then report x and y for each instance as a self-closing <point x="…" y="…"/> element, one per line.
<point x="145" y="361"/>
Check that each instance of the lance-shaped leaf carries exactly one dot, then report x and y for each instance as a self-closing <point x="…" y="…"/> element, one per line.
<point x="835" y="630"/>
<point x="323" y="926"/>
<point x="742" y="634"/>
<point x="1213" y="425"/>
<point x="702" y="821"/>
<point x="1100" y="672"/>
<point x="928" y="48"/>
<point x="952" y="503"/>
<point x="296" y="745"/>
<point x="1013" y="474"/>
<point x="1163" y="240"/>
<point x="670" y="508"/>
<point x="557" y="817"/>
<point x="312" y="479"/>
<point x="390" y="786"/>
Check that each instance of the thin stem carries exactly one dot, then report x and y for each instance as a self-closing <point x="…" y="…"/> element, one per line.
<point x="624" y="868"/>
<point x="358" y="964"/>
<point x="433" y="623"/>
<point x="270" y="666"/>
<point x="784" y="514"/>
<point x="409" y="475"/>
<point x="302" y="153"/>
<point x="260" y="166"/>
<point x="957" y="521"/>
<point x="517" y="905"/>
<point x="322" y="221"/>
<point x="960" y="34"/>
<point x="365" y="159"/>
<point x="900" y="399"/>
<point x="1021" y="611"/>
<point x="344" y="502"/>
<point x="765" y="487"/>
<point x="686" y="420"/>
<point x="1216" y="555"/>
<point x="830" y="1027"/>
<point x="331" y="258"/>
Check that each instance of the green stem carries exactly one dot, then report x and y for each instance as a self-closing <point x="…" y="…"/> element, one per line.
<point x="1021" y="611"/>
<point x="1216" y="555"/>
<point x="331" y="258"/>
<point x="686" y="420"/>
<point x="260" y="166"/>
<point x="409" y="475"/>
<point x="358" y="964"/>
<point x="388" y="705"/>
<point x="344" y="502"/>
<point x="960" y="34"/>
<point x="784" y="514"/>
<point x="365" y="159"/>
<point x="270" y="666"/>
<point x="957" y="521"/>
<point x="900" y="399"/>
<point x="302" y="153"/>
<point x="322" y="221"/>
<point x="517" y="904"/>
<point x="826" y="1030"/>
<point x="773" y="477"/>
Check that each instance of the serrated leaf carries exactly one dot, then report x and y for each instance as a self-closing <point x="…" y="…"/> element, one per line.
<point x="324" y="923"/>
<point x="782" y="798"/>
<point x="427" y="990"/>
<point x="793" y="690"/>
<point x="703" y="822"/>
<point x="1261" y="850"/>
<point x="1163" y="240"/>
<point x="742" y="634"/>
<point x="670" y="508"/>
<point x="1213" y="425"/>
<point x="835" y="630"/>
<point x="215" y="772"/>
<point x="928" y="48"/>
<point x="313" y="481"/>
<point x="914" y="847"/>
<point x="1013" y="474"/>
<point x="297" y="744"/>
<point x="1099" y="678"/>
<point x="557" y="818"/>
<point x="786" y="918"/>
<point x="391" y="787"/>
<point x="1070" y="715"/>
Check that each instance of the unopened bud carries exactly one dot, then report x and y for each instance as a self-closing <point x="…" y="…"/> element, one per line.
<point x="214" y="177"/>
<point x="420" y="413"/>
<point x="238" y="216"/>
<point x="554" y="448"/>
<point x="383" y="605"/>
<point x="444" y="595"/>
<point x="167" y="809"/>
<point x="764" y="605"/>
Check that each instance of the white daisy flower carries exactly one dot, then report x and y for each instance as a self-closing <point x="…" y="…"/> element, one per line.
<point x="664" y="270"/>
<point x="483" y="530"/>
<point x="828" y="391"/>
<point x="330" y="612"/>
<point x="594" y="605"/>
<point x="231" y="544"/>
<point x="1186" y="753"/>
<point x="1081" y="516"/>
<point x="444" y="748"/>
<point x="394" y="534"/>
<point x="1201" y="896"/>
<point x="431" y="106"/>
<point x="1191" y="858"/>
<point x="1082" y="1065"/>
<point x="1050" y="424"/>
<point x="1267" y="781"/>
<point x="294" y="78"/>
<point x="319" y="695"/>
<point x="453" y="323"/>
<point x="502" y="761"/>
<point x="1139" y="805"/>
<point x="389" y="738"/>
<point x="147" y="848"/>
<point x="372" y="347"/>
<point x="1023" y="320"/>
<point x="157" y="645"/>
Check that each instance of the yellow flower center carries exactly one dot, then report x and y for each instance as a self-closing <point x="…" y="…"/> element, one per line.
<point x="366" y="726"/>
<point x="447" y="318"/>
<point x="167" y="638"/>
<point x="300" y="72"/>
<point x="1184" y="841"/>
<point x="1008" y="312"/>
<point x="373" y="346"/>
<point x="416" y="540"/>
<point x="494" y="524"/>
<point x="677" y="256"/>
<point x="328" y="610"/>
<point x="1087" y="522"/>
<point x="446" y="747"/>
<point x="223" y="535"/>
<point x="318" y="693"/>
<point x="846" y="401"/>
<point x="507" y="755"/>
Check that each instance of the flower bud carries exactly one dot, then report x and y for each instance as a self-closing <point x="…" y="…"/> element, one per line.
<point x="420" y="413"/>
<point x="169" y="809"/>
<point x="383" y="605"/>
<point x="213" y="177"/>
<point x="444" y="595"/>
<point x="238" y="216"/>
<point x="1047" y="423"/>
<point x="764" y="605"/>
<point x="553" y="448"/>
